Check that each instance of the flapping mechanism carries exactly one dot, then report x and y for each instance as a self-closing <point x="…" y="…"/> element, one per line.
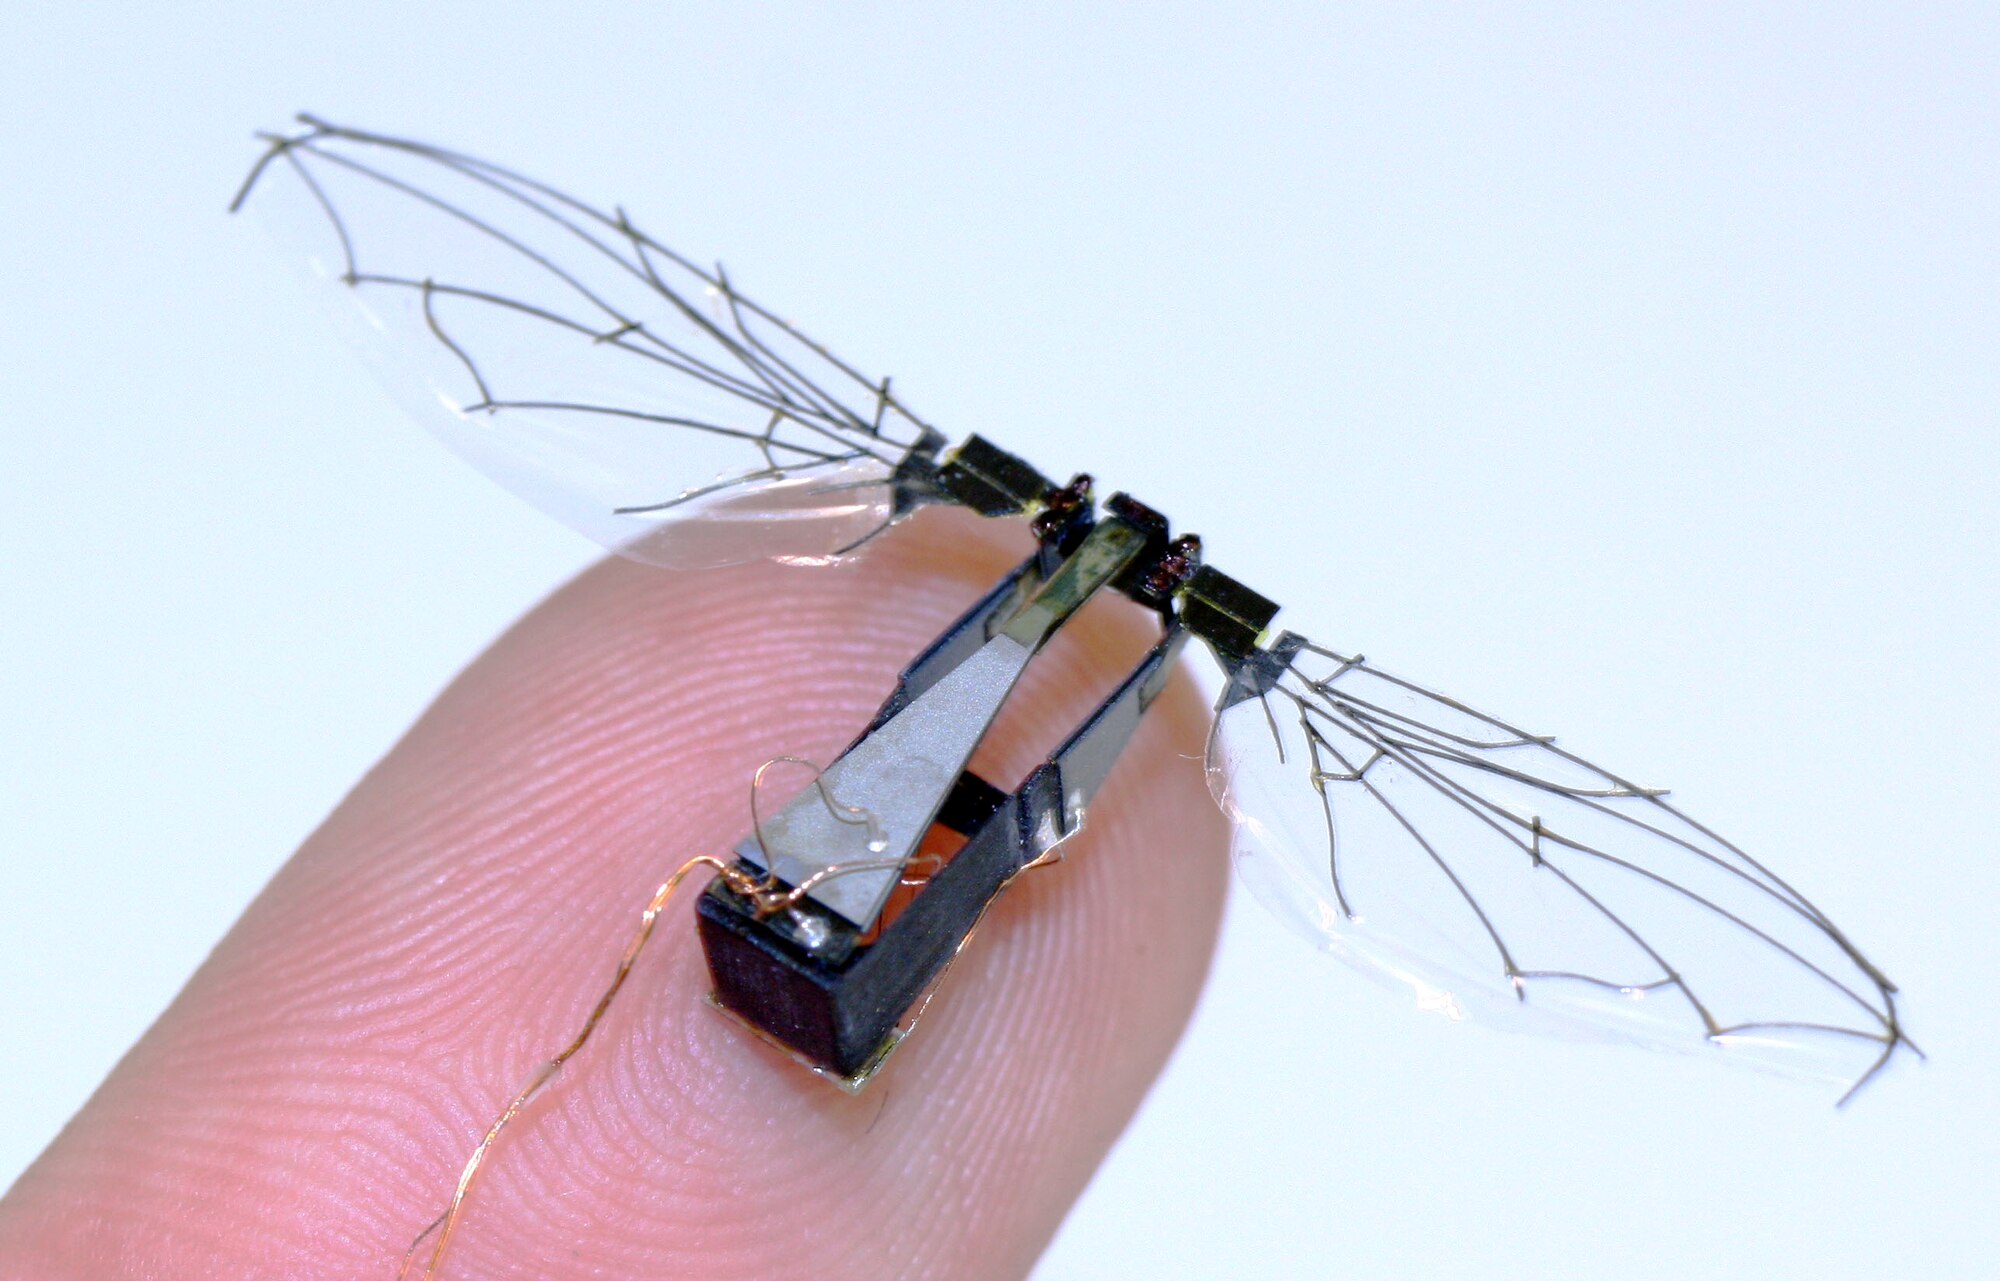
<point x="901" y="771"/>
<point x="837" y="977"/>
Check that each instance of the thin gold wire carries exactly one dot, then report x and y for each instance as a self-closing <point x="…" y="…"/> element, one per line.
<point x="767" y="897"/>
<point x="447" y="1223"/>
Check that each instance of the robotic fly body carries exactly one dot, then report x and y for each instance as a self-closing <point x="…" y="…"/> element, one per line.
<point x="611" y="381"/>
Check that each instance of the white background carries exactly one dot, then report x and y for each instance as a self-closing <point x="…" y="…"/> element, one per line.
<point x="1631" y="373"/>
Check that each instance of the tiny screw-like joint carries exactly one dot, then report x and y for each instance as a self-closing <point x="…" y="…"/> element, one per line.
<point x="1061" y="504"/>
<point x="1176" y="566"/>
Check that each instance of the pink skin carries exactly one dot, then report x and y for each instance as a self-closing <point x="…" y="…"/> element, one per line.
<point x="303" y="1107"/>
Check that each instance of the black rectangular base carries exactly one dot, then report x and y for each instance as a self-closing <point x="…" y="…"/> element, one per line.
<point x="837" y="1004"/>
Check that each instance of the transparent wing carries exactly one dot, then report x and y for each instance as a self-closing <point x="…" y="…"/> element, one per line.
<point x="1496" y="874"/>
<point x="633" y="395"/>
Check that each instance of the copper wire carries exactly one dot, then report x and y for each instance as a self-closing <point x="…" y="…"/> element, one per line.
<point x="768" y="897"/>
<point x="839" y="811"/>
<point x="445" y="1224"/>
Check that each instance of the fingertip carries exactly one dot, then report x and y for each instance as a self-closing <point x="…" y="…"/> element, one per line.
<point x="304" y="1106"/>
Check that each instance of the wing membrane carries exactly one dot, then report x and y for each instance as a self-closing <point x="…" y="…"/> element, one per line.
<point x="631" y="393"/>
<point x="1443" y="848"/>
